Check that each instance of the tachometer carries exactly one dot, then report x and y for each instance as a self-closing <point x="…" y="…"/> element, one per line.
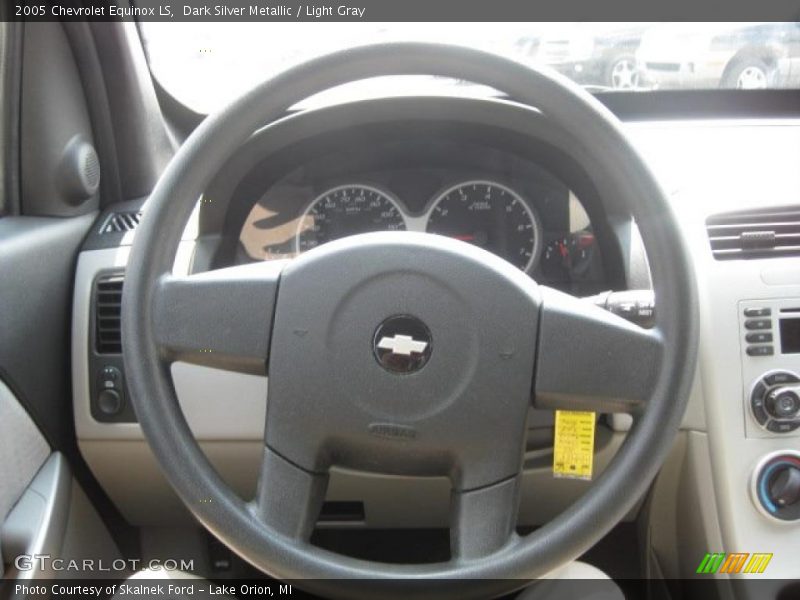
<point x="347" y="210"/>
<point x="489" y="215"/>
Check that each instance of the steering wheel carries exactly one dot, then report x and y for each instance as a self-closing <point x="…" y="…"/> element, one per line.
<point x="406" y="354"/>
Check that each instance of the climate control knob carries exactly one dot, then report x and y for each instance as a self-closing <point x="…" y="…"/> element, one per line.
<point x="776" y="486"/>
<point x="784" y="488"/>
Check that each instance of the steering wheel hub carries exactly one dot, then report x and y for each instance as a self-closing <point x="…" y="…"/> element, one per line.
<point x="463" y="414"/>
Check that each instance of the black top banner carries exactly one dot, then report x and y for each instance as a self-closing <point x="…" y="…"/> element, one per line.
<point x="402" y="10"/>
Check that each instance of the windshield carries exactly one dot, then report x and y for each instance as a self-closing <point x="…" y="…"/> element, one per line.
<point x="205" y="65"/>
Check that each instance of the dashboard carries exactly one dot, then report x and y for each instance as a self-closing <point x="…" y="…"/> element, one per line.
<point x="478" y="194"/>
<point x="485" y="172"/>
<point x="456" y="168"/>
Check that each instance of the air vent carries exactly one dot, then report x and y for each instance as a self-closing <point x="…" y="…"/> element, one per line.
<point x="755" y="234"/>
<point x="121" y="222"/>
<point x="107" y="305"/>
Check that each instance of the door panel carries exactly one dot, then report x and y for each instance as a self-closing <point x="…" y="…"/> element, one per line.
<point x="23" y="450"/>
<point x="37" y="266"/>
<point x="49" y="501"/>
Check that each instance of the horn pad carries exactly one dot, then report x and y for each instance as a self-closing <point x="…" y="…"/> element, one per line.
<point x="414" y="353"/>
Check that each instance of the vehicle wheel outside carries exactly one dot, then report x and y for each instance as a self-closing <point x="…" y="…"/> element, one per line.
<point x="747" y="74"/>
<point x="622" y="73"/>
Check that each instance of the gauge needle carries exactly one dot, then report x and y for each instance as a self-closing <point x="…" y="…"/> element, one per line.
<point x="466" y="237"/>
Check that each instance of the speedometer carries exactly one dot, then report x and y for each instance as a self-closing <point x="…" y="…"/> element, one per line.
<point x="489" y="215"/>
<point x="347" y="210"/>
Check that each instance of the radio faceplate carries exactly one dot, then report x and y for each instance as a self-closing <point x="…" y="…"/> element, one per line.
<point x="769" y="355"/>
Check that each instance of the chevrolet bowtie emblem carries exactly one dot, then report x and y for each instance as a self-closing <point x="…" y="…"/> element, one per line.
<point x="402" y="344"/>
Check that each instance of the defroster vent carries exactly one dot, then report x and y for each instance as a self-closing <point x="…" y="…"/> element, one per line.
<point x="121" y="222"/>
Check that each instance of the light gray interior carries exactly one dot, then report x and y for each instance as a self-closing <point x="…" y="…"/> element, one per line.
<point x="23" y="450"/>
<point x="101" y="491"/>
<point x="692" y="160"/>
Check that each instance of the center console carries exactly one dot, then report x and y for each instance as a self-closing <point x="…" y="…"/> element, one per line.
<point x="770" y="354"/>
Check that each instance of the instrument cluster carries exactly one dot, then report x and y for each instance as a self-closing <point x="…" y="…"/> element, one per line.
<point x="483" y="212"/>
<point x="513" y="208"/>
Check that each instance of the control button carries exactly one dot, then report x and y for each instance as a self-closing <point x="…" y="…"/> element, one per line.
<point x="757" y="312"/>
<point x="637" y="306"/>
<point x="781" y="377"/>
<point x="759" y="391"/>
<point x="785" y="406"/>
<point x="783" y="426"/>
<point x="753" y="324"/>
<point x="758" y="338"/>
<point x="109" y="401"/>
<point x="645" y="311"/>
<point x="760" y="351"/>
<point x="626" y="310"/>
<point x="783" y="403"/>
<point x="759" y="413"/>
<point x="757" y="402"/>
<point x="111" y="373"/>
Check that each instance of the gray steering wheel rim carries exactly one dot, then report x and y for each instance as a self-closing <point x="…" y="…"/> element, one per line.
<point x="612" y="495"/>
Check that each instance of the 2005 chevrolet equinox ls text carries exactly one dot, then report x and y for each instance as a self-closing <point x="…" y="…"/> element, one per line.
<point x="294" y="305"/>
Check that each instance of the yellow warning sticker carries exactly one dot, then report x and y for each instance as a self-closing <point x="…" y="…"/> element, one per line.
<point x="574" y="444"/>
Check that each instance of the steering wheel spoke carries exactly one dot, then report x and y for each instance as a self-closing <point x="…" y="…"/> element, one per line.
<point x="591" y="359"/>
<point x="483" y="521"/>
<point x="218" y="319"/>
<point x="288" y="498"/>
